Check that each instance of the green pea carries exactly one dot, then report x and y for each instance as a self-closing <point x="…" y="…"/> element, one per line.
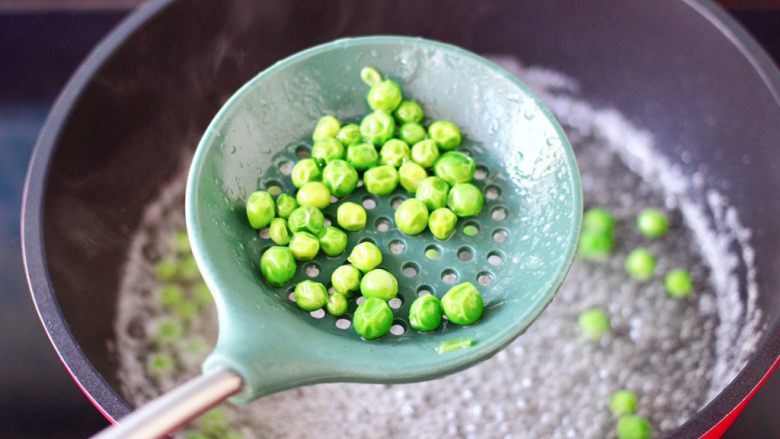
<point x="351" y="216"/>
<point x="432" y="254"/>
<point x="306" y="219"/>
<point x="365" y="257"/>
<point x="260" y="209"/>
<point x="454" y="344"/>
<point x="304" y="246"/>
<point x="188" y="269"/>
<point x="462" y="304"/>
<point x="640" y="264"/>
<point x="411" y="133"/>
<point x="160" y="364"/>
<point x="425" y="313"/>
<point x="411" y="217"/>
<point x="373" y="318"/>
<point x="314" y="194"/>
<point x="598" y="220"/>
<point x="310" y="295"/>
<point x="633" y="427"/>
<point x="595" y="245"/>
<point x="433" y="192"/>
<point x="465" y="200"/>
<point x="381" y="180"/>
<point x="171" y="295"/>
<point x="593" y="324"/>
<point x="362" y="156"/>
<point x="678" y="284"/>
<point x="327" y="149"/>
<point x="425" y="153"/>
<point x="442" y="222"/>
<point x="186" y="310"/>
<point x="305" y="171"/>
<point x="384" y="96"/>
<point x="652" y="223"/>
<point x="370" y="76"/>
<point x="337" y="304"/>
<point x="169" y="331"/>
<point x="340" y="178"/>
<point x="379" y="283"/>
<point x="202" y="294"/>
<point x="393" y="153"/>
<point x="471" y="230"/>
<point x="278" y="265"/>
<point x="285" y="204"/>
<point x="377" y="128"/>
<point x="623" y="402"/>
<point x="181" y="242"/>
<point x="410" y="174"/>
<point x="278" y="231"/>
<point x="345" y="280"/>
<point x="409" y="111"/>
<point x="455" y="167"/>
<point x="446" y="134"/>
<point x="333" y="241"/>
<point x="349" y="135"/>
<point x="327" y="126"/>
<point x="166" y="269"/>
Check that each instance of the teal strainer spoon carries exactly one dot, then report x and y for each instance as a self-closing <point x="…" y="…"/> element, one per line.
<point x="525" y="237"/>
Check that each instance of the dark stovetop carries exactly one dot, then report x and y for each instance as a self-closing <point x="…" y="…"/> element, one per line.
<point x="39" y="51"/>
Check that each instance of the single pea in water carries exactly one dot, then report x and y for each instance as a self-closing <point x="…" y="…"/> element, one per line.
<point x="598" y="220"/>
<point x="349" y="135"/>
<point x="462" y="304"/>
<point x="327" y="126"/>
<point x="373" y="318"/>
<point x="425" y="313"/>
<point x="433" y="192"/>
<point x="425" y="153"/>
<point x="362" y="156"/>
<point x="446" y="134"/>
<point x="410" y="174"/>
<point x="409" y="111"/>
<point x="593" y="324"/>
<point x="337" y="304"/>
<point x="351" y="216"/>
<point x="465" y="200"/>
<point x="442" y="222"/>
<point x="652" y="223"/>
<point x="385" y="96"/>
<point x="640" y="264"/>
<point x="306" y="219"/>
<point x="411" y="133"/>
<point x="333" y="241"/>
<point x="381" y="180"/>
<point x="278" y="231"/>
<point x="304" y="246"/>
<point x="678" y="284"/>
<point x="411" y="217"/>
<point x="278" y="265"/>
<point x="305" y="171"/>
<point x="310" y="295"/>
<point x="365" y="256"/>
<point x="340" y="178"/>
<point x="377" y="127"/>
<point x="623" y="402"/>
<point x="633" y="427"/>
<point x="285" y="205"/>
<point x="394" y="152"/>
<point x="455" y="167"/>
<point x="260" y="209"/>
<point x="345" y="280"/>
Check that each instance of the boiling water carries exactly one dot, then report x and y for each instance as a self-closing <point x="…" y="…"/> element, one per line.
<point x="550" y="382"/>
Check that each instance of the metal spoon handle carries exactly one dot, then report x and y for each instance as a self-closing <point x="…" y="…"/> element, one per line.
<point x="176" y="408"/>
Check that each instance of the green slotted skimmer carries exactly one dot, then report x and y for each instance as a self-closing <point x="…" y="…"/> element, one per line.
<point x="516" y="252"/>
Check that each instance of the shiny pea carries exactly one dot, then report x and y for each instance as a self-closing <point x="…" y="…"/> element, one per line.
<point x="306" y="219"/>
<point x="433" y="192"/>
<point x="278" y="231"/>
<point x="633" y="427"/>
<point x="260" y="209"/>
<point x="327" y="149"/>
<point x="455" y="167"/>
<point x="385" y="95"/>
<point x="377" y="127"/>
<point x="349" y="135"/>
<point x="333" y="241"/>
<point x="345" y="280"/>
<point x="598" y="220"/>
<point x="409" y="111"/>
<point x="337" y="304"/>
<point x="340" y="178"/>
<point x="381" y="180"/>
<point x="365" y="256"/>
<point x="373" y="318"/>
<point x="379" y="283"/>
<point x="411" y="217"/>
<point x="304" y="246"/>
<point x="411" y="133"/>
<point x="362" y="156"/>
<point x="426" y="313"/>
<point x="351" y="216"/>
<point x="393" y="153"/>
<point x="465" y="200"/>
<point x="442" y="222"/>
<point x="462" y="304"/>
<point x="640" y="264"/>
<point x="305" y="171"/>
<point x="593" y="324"/>
<point x="310" y="295"/>
<point x="446" y="134"/>
<point x="327" y="126"/>
<point x="278" y="265"/>
<point x="678" y="284"/>
<point x="285" y="204"/>
<point x="314" y="194"/>
<point x="410" y="174"/>
<point x="425" y="153"/>
<point x="652" y="223"/>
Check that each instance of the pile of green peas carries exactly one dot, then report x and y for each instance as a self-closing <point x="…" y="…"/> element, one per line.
<point x="389" y="147"/>
<point x="624" y="404"/>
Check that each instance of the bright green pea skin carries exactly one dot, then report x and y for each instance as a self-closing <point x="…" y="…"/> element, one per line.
<point x="470" y="230"/>
<point x="410" y="174"/>
<point x="304" y="246"/>
<point x="411" y="133"/>
<point x="327" y="126"/>
<point x="411" y="217"/>
<point x="623" y="402"/>
<point x="379" y="283"/>
<point x="362" y="156"/>
<point x="454" y="344"/>
<point x="652" y="223"/>
<point x="598" y="220"/>
<point x="442" y="222"/>
<point x="340" y="178"/>
<point x="337" y="304"/>
<point x="285" y="204"/>
<point x="351" y="216"/>
<point x="678" y="284"/>
<point x="349" y="135"/>
<point x="381" y="180"/>
<point x="305" y="171"/>
<point x="433" y="192"/>
<point x="365" y="256"/>
<point x="633" y="427"/>
<point x="425" y="153"/>
<point x="166" y="269"/>
<point x="593" y="324"/>
<point x="640" y="264"/>
<point x="394" y="152"/>
<point x="310" y="295"/>
<point x="373" y="318"/>
<point x="465" y="200"/>
<point x="333" y="241"/>
<point x="385" y="96"/>
<point x="278" y="231"/>
<point x="409" y="111"/>
<point x="260" y="209"/>
<point x="462" y="304"/>
<point x="345" y="280"/>
<point x="171" y="295"/>
<point x="455" y="167"/>
<point x="327" y="149"/>
<point x="370" y="76"/>
<point x="278" y="265"/>
<point x="425" y="313"/>
<point x="314" y="194"/>
<point x="377" y="127"/>
<point x="595" y="245"/>
<point x="306" y="219"/>
<point x="446" y="134"/>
